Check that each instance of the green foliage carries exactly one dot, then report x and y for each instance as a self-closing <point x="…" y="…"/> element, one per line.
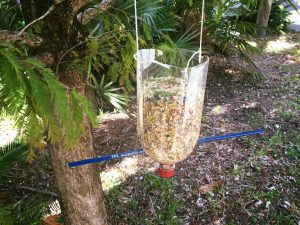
<point x="272" y="195"/>
<point x="278" y="20"/>
<point x="6" y="217"/>
<point x="288" y="141"/>
<point x="108" y="94"/>
<point x="179" y="50"/>
<point x="31" y="209"/>
<point x="10" y="154"/>
<point x="282" y="218"/>
<point x="39" y="101"/>
<point x="227" y="27"/>
<point x="292" y="142"/>
<point x="28" y="211"/>
<point x="11" y="17"/>
<point x="279" y="17"/>
<point x="111" y="55"/>
<point x="112" y="41"/>
<point x="168" y="205"/>
<point x="289" y="116"/>
<point x="155" y="193"/>
<point x="162" y="26"/>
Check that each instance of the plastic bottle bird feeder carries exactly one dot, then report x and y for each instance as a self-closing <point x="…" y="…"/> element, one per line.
<point x="170" y="103"/>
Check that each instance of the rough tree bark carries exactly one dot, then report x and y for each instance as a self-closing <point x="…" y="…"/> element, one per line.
<point x="263" y="16"/>
<point x="79" y="189"/>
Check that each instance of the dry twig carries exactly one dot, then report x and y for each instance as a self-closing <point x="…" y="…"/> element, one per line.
<point x="38" y="191"/>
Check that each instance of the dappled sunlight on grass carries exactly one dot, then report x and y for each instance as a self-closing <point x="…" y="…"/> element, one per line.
<point x="218" y="110"/>
<point x="113" y="116"/>
<point x="250" y="105"/>
<point x="279" y="45"/>
<point x="253" y="43"/>
<point x="119" y="172"/>
<point x="115" y="134"/>
<point x="8" y="132"/>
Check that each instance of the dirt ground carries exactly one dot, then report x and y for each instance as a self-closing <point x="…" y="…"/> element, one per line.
<point x="252" y="180"/>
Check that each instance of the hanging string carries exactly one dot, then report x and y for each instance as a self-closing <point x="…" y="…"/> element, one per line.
<point x="201" y="31"/>
<point x="136" y="28"/>
<point x="201" y="38"/>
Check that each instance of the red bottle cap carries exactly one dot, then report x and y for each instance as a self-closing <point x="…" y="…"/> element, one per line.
<point x="166" y="172"/>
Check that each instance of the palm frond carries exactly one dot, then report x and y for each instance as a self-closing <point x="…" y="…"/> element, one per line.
<point x="11" y="17"/>
<point x="108" y="93"/>
<point x="10" y="154"/>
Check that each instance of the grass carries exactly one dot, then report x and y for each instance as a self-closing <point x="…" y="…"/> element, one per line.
<point x="289" y="68"/>
<point x="284" y="144"/>
<point x="295" y="51"/>
<point x="281" y="44"/>
<point x="288" y="141"/>
<point x="282" y="218"/>
<point x="255" y="116"/>
<point x="292" y="142"/>
<point x="269" y="200"/>
<point x="294" y="104"/>
<point x="289" y="116"/>
<point x="237" y="170"/>
<point x="157" y="194"/>
<point x="6" y="217"/>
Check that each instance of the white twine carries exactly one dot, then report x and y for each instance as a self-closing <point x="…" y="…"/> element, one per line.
<point x="136" y="29"/>
<point x="201" y="31"/>
<point x="201" y="39"/>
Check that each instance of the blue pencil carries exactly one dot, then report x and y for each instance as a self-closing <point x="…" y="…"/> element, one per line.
<point x="141" y="151"/>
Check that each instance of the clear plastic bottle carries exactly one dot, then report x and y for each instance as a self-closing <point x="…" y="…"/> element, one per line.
<point x="170" y="103"/>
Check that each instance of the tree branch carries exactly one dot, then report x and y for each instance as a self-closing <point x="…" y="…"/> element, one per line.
<point x="38" y="19"/>
<point x="90" y="13"/>
<point x="83" y="18"/>
<point x="13" y="36"/>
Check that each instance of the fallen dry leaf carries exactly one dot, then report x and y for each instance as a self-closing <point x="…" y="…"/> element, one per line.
<point x="209" y="187"/>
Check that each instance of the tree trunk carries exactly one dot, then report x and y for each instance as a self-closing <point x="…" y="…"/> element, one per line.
<point x="263" y="16"/>
<point x="80" y="190"/>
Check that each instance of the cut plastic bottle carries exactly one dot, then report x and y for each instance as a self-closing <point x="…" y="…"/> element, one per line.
<point x="170" y="97"/>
